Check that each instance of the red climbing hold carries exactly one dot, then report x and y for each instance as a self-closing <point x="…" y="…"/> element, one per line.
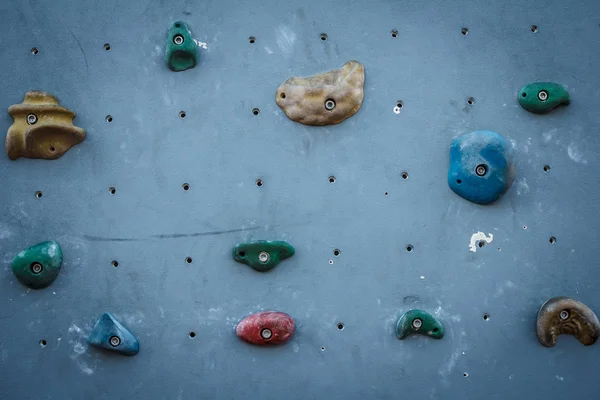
<point x="268" y="327"/>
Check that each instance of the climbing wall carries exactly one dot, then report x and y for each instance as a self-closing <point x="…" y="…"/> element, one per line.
<point x="372" y="189"/>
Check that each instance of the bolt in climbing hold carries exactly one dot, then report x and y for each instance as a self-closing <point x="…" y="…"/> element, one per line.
<point x="481" y="166"/>
<point x="262" y="255"/>
<point x="181" y="52"/>
<point x="109" y="334"/>
<point x="41" y="128"/>
<point x="564" y="315"/>
<point x="268" y="327"/>
<point x="340" y="90"/>
<point x="417" y="321"/>
<point x="38" y="266"/>
<point x="542" y="97"/>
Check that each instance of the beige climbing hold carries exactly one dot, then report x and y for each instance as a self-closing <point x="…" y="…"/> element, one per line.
<point x="41" y="128"/>
<point x="323" y="99"/>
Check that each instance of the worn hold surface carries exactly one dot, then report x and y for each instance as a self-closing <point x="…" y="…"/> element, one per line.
<point x="421" y="322"/>
<point x="542" y="97"/>
<point x="262" y="255"/>
<point x="41" y="128"/>
<point x="266" y="328"/>
<point x="563" y="315"/>
<point x="110" y="334"/>
<point x="38" y="266"/>
<point x="324" y="99"/>
<point x="151" y="225"/>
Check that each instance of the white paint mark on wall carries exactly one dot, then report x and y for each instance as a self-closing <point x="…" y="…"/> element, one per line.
<point x="268" y="50"/>
<point x="78" y="341"/>
<point x="575" y="154"/>
<point x="478" y="237"/>
<point x="286" y="39"/>
<point x="201" y="44"/>
<point x="559" y="378"/>
<point x="522" y="186"/>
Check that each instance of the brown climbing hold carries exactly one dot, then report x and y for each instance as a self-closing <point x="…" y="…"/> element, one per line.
<point x="563" y="315"/>
<point x="41" y="128"/>
<point x="323" y="99"/>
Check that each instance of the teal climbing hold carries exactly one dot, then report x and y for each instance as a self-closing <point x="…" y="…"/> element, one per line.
<point x="38" y="266"/>
<point x="109" y="334"/>
<point x="542" y="97"/>
<point x="182" y="51"/>
<point x="417" y="321"/>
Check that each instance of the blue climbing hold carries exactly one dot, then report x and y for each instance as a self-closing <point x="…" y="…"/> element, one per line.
<point x="481" y="166"/>
<point x="109" y="334"/>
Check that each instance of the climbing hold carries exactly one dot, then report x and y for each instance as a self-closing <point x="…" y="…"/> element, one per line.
<point x="565" y="315"/>
<point x="541" y="97"/>
<point x="323" y="99"/>
<point x="41" y="128"/>
<point x="262" y="255"/>
<point x="38" y="266"/>
<point x="481" y="166"/>
<point x="268" y="327"/>
<point x="417" y="321"/>
<point x="109" y="334"/>
<point x="182" y="52"/>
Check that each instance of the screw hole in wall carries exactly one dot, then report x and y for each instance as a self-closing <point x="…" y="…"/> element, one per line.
<point x="405" y="175"/>
<point x="332" y="179"/>
<point x="340" y="326"/>
<point x="394" y="33"/>
<point x="471" y="101"/>
<point x="465" y="374"/>
<point x="322" y="348"/>
<point x="525" y="227"/>
<point x="255" y="111"/>
<point x="34" y="51"/>
<point x="107" y="46"/>
<point x="115" y="263"/>
<point x="252" y="39"/>
<point x="481" y="243"/>
<point x="323" y="36"/>
<point x="552" y="240"/>
<point x="192" y="334"/>
<point x="185" y="186"/>
<point x="486" y="317"/>
<point x="337" y="252"/>
<point x="109" y="118"/>
<point x="410" y="248"/>
<point x="188" y="260"/>
<point x="112" y="190"/>
<point x="38" y="194"/>
<point x="534" y="28"/>
<point x="386" y="193"/>
<point x="398" y="107"/>
<point x="182" y="114"/>
<point x="547" y="168"/>
<point x="43" y="343"/>
<point x="259" y="182"/>
<point x="464" y="31"/>
<point x="330" y="262"/>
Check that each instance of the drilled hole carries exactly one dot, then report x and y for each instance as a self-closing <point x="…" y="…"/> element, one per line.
<point x="188" y="260"/>
<point x="409" y="248"/>
<point x="340" y="326"/>
<point x="112" y="190"/>
<point x="486" y="317"/>
<point x="464" y="31"/>
<point x="282" y="95"/>
<point x="524" y="94"/>
<point x="471" y="101"/>
<point x="386" y="193"/>
<point x="177" y="25"/>
<point x="323" y="36"/>
<point x="524" y="226"/>
<point x="107" y="46"/>
<point x="332" y="179"/>
<point x="337" y="252"/>
<point x="322" y="348"/>
<point x="436" y="330"/>
<point x="394" y="33"/>
<point x="534" y="28"/>
<point x="38" y="194"/>
<point x="547" y="168"/>
<point x="115" y="263"/>
<point x="43" y="343"/>
<point x="192" y="334"/>
<point x="458" y="181"/>
<point x="552" y="240"/>
<point x="242" y="254"/>
<point x="331" y="262"/>
<point x="182" y="114"/>
<point x="405" y="175"/>
<point x="255" y="111"/>
<point x="259" y="182"/>
<point x="34" y="51"/>
<point x="109" y="118"/>
<point x="399" y="104"/>
<point x="465" y="374"/>
<point x="186" y="186"/>
<point x="52" y="149"/>
<point x="252" y="39"/>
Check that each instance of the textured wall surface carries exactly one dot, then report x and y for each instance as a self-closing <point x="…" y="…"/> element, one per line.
<point x="150" y="225"/>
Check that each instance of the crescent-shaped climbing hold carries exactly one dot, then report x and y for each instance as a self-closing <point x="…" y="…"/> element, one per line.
<point x="266" y="328"/>
<point x="324" y="99"/>
<point x="481" y="166"/>
<point x="262" y="255"/>
<point x="564" y="315"/>
<point x="38" y="266"/>
<point x="109" y="334"/>
<point x="181" y="52"/>
<point x="421" y="322"/>
<point x="542" y="97"/>
<point x="41" y="128"/>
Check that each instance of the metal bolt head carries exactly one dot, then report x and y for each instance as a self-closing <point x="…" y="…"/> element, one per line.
<point x="178" y="39"/>
<point x="115" y="341"/>
<point x="329" y="104"/>
<point x="32" y="119"/>
<point x="266" y="334"/>
<point x="37" y="268"/>
<point x="543" y="95"/>
<point x="481" y="170"/>
<point x="564" y="314"/>
<point x="417" y="323"/>
<point x="264" y="257"/>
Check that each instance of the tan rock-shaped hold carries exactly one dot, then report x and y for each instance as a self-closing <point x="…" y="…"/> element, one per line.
<point x="323" y="99"/>
<point x="41" y="128"/>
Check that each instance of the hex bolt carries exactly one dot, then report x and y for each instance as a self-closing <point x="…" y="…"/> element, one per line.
<point x="543" y="95"/>
<point x="329" y="104"/>
<point x="266" y="334"/>
<point x="481" y="170"/>
<point x="37" y="268"/>
<point x="115" y="341"/>
<point x="32" y="119"/>
<point x="564" y="314"/>
<point x="264" y="257"/>
<point x="178" y="39"/>
<point x="417" y="323"/>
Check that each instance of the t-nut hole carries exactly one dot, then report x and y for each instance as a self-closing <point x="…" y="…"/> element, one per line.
<point x="107" y="46"/>
<point x="410" y="248"/>
<point x="471" y="101"/>
<point x="182" y="114"/>
<point x="552" y="240"/>
<point x="115" y="263"/>
<point x="534" y="28"/>
<point x="486" y="317"/>
<point x="464" y="31"/>
<point x="192" y="334"/>
<point x="38" y="194"/>
<point x="547" y="168"/>
<point x="252" y="39"/>
<point x="323" y="36"/>
<point x="188" y="260"/>
<point x="386" y="194"/>
<point x="185" y="186"/>
<point x="405" y="175"/>
<point x="112" y="190"/>
<point x="332" y="179"/>
<point x="465" y="374"/>
<point x="43" y="343"/>
<point x="255" y="111"/>
<point x="394" y="33"/>
<point x="337" y="252"/>
<point x="322" y="348"/>
<point x="109" y="118"/>
<point x="259" y="182"/>
<point x="34" y="51"/>
<point x="340" y="326"/>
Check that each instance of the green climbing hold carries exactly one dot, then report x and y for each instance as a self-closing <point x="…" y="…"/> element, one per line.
<point x="541" y="97"/>
<point x="182" y="52"/>
<point x="417" y="321"/>
<point x="262" y="255"/>
<point x="38" y="266"/>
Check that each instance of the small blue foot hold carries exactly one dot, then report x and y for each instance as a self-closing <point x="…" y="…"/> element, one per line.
<point x="481" y="166"/>
<point x="109" y="334"/>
